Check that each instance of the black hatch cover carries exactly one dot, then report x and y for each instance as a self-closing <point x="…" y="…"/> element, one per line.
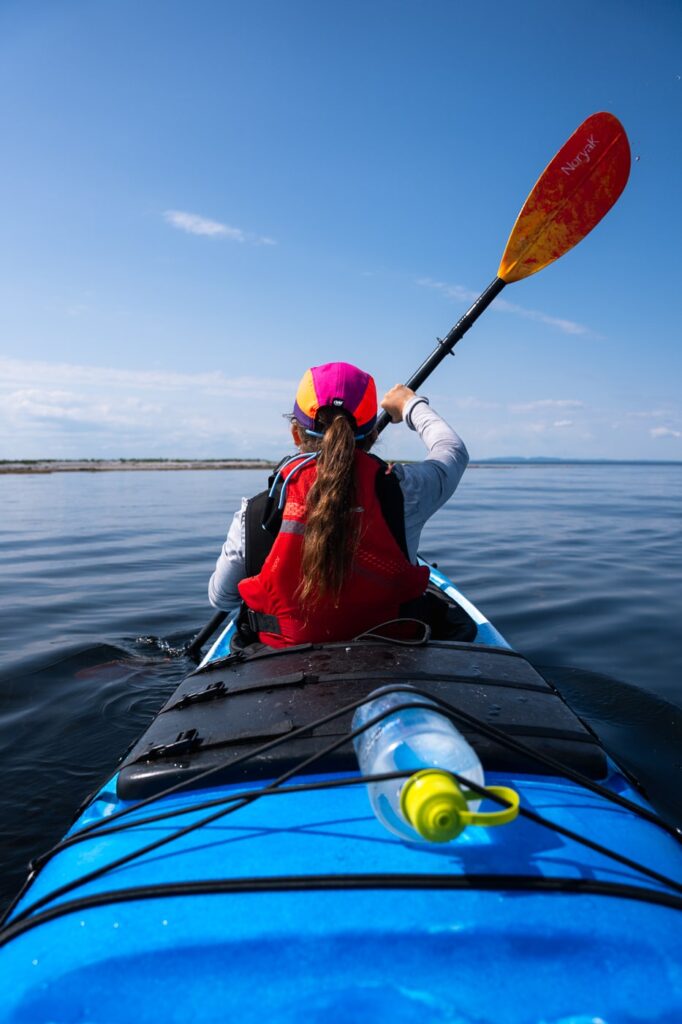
<point x="220" y="713"/>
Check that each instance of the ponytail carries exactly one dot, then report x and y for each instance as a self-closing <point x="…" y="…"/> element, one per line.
<point x="331" y="530"/>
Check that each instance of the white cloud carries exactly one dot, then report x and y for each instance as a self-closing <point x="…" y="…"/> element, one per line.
<point x="547" y="403"/>
<point x="567" y="326"/>
<point x="563" y="423"/>
<point x="469" y="402"/>
<point x="462" y="294"/>
<point x="664" y="432"/>
<point x="648" y="414"/>
<point x="69" y="410"/>
<point x="72" y="407"/>
<point x="21" y="373"/>
<point x="194" y="224"/>
<point x="451" y="291"/>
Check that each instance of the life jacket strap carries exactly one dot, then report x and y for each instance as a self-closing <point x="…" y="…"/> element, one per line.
<point x="261" y="623"/>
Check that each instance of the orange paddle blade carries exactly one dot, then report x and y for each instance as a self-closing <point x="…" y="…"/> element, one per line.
<point x="570" y="197"/>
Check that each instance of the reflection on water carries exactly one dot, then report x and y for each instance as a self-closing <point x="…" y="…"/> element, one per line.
<point x="579" y="567"/>
<point x="63" y="729"/>
<point x="641" y="731"/>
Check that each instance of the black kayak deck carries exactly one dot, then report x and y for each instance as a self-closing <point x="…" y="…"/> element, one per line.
<point x="232" y="707"/>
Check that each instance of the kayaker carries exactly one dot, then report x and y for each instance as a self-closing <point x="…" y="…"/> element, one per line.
<point x="347" y="526"/>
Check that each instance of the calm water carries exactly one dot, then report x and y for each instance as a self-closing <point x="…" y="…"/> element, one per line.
<point x="103" y="577"/>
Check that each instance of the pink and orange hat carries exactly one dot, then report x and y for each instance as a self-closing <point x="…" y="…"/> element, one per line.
<point x="341" y="386"/>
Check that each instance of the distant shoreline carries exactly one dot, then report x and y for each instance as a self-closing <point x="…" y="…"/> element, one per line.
<point x="34" y="466"/>
<point x="126" y="465"/>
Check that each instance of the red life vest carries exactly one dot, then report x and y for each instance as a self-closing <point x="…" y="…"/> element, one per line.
<point x="380" y="578"/>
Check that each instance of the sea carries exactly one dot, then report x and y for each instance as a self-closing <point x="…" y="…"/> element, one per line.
<point x="103" y="580"/>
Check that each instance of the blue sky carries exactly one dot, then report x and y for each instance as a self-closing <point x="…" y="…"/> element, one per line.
<point x="199" y="200"/>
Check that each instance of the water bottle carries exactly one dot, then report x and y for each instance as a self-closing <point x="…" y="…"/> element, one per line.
<point x="429" y="804"/>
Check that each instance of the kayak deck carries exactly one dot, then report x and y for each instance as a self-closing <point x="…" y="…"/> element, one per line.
<point x="224" y="712"/>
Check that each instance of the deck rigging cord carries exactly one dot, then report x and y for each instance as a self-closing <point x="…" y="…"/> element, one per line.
<point x="347" y="882"/>
<point x="278" y="783"/>
<point x="484" y="728"/>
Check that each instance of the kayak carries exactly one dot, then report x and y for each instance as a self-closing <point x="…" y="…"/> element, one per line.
<point x="232" y="864"/>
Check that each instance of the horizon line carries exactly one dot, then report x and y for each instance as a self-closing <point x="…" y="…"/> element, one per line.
<point x="260" y="460"/>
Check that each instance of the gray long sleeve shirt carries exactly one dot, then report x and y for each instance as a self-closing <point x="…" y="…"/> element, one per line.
<point x="426" y="486"/>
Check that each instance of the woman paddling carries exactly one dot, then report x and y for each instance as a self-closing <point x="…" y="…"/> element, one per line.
<point x="342" y="526"/>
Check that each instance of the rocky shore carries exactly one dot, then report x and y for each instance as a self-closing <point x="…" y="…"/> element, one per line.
<point x="125" y="465"/>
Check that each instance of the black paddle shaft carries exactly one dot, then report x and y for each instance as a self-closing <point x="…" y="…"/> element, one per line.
<point x="194" y="647"/>
<point x="446" y="344"/>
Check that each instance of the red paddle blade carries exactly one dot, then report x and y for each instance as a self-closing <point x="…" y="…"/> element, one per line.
<point x="570" y="197"/>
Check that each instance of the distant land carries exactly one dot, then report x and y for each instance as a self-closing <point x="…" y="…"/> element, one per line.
<point x="125" y="465"/>
<point x="117" y="465"/>
<point x="544" y="460"/>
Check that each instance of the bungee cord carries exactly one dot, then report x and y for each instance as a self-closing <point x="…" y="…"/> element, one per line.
<point x="345" y="883"/>
<point x="238" y="802"/>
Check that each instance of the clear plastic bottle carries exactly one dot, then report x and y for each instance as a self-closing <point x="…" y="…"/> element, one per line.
<point x="415" y="739"/>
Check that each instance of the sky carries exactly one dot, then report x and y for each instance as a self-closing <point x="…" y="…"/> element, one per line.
<point x="200" y="200"/>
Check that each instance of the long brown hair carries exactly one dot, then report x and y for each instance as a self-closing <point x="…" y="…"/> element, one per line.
<point x="331" y="530"/>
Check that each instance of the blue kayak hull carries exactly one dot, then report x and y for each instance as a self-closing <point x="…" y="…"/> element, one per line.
<point x="393" y="957"/>
<point x="406" y="953"/>
<point x="298" y="905"/>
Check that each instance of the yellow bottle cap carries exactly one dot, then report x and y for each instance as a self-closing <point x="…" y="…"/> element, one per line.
<point x="434" y="805"/>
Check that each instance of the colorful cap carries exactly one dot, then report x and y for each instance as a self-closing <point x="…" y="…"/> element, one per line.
<point x="339" y="385"/>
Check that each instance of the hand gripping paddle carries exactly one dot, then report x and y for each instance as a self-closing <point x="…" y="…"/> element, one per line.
<point x="575" y="190"/>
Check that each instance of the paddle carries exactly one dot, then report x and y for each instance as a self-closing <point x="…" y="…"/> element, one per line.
<point x="575" y="190"/>
<point x="194" y="646"/>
